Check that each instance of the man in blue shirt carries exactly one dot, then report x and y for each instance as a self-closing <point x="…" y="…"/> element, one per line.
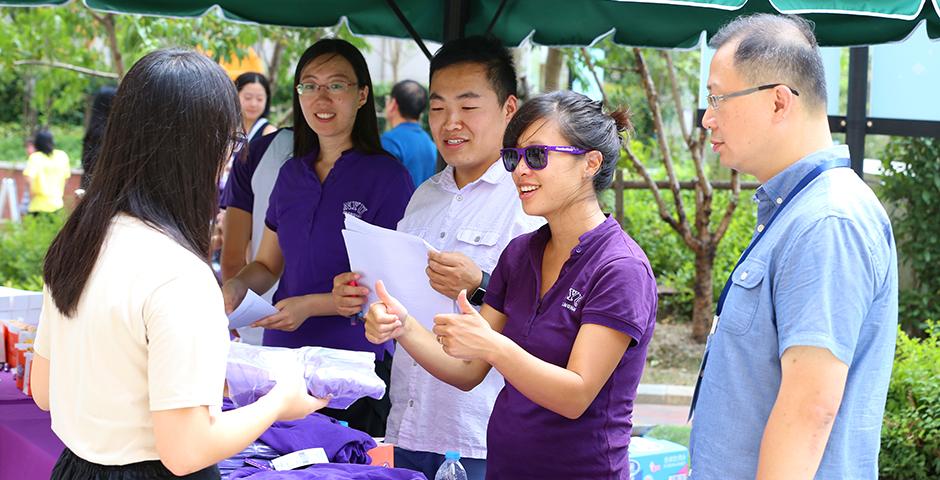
<point x="406" y="141"/>
<point x="796" y="370"/>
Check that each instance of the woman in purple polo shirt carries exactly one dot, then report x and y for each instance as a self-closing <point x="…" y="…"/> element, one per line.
<point x="338" y="167"/>
<point x="568" y="314"/>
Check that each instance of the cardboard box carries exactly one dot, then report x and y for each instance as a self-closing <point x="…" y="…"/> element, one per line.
<point x="20" y="305"/>
<point x="653" y="459"/>
<point x="383" y="455"/>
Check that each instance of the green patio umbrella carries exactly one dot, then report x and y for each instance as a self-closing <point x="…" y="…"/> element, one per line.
<point x="655" y="23"/>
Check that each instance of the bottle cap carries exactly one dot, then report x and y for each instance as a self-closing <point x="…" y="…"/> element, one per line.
<point x="452" y="455"/>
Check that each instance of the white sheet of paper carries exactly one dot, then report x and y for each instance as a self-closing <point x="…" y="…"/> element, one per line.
<point x="399" y="260"/>
<point x="252" y="309"/>
<point x="356" y="224"/>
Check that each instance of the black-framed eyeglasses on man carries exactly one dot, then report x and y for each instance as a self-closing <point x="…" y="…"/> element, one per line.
<point x="715" y="100"/>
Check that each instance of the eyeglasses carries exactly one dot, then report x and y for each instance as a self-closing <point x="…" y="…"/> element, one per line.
<point x="239" y="140"/>
<point x="715" y="100"/>
<point x="332" y="88"/>
<point x="536" y="156"/>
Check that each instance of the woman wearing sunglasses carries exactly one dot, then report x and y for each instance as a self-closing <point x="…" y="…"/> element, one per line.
<point x="338" y="167"/>
<point x="569" y="313"/>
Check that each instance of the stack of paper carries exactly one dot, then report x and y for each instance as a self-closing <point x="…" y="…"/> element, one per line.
<point x="399" y="260"/>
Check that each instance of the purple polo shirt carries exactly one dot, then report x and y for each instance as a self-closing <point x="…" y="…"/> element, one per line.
<point x="308" y="219"/>
<point x="238" y="192"/>
<point x="606" y="281"/>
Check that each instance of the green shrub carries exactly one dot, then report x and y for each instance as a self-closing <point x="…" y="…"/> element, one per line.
<point x="24" y="246"/>
<point x="910" y="437"/>
<point x="912" y="183"/>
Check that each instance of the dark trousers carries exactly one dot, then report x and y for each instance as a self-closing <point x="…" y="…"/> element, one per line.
<point x="368" y="414"/>
<point x="71" y="467"/>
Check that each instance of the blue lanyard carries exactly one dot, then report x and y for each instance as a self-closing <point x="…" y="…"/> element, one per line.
<point x="828" y="165"/>
<point x="835" y="163"/>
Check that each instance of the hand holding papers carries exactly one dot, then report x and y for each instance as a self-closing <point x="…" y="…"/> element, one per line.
<point x="252" y="309"/>
<point x="399" y="260"/>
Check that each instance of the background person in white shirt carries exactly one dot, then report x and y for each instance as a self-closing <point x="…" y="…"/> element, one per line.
<point x="132" y="341"/>
<point x="469" y="211"/>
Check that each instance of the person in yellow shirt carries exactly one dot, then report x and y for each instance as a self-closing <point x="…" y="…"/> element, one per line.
<point x="47" y="170"/>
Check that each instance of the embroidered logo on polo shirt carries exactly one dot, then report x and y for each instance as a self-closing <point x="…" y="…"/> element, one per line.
<point x="354" y="208"/>
<point x="573" y="299"/>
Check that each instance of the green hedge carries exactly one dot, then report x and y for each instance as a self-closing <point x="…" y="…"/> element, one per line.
<point x="24" y="246"/>
<point x="67" y="138"/>
<point x="910" y="437"/>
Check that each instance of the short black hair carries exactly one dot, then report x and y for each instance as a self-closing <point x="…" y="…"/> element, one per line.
<point x="255" y="77"/>
<point x="484" y="50"/>
<point x="777" y="49"/>
<point x="411" y="97"/>
<point x="582" y="122"/>
<point x="43" y="141"/>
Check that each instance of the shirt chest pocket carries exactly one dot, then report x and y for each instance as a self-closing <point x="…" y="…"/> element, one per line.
<point x="744" y="297"/>
<point x="479" y="245"/>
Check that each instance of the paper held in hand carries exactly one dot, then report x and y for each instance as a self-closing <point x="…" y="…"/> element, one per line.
<point x="252" y="309"/>
<point x="399" y="260"/>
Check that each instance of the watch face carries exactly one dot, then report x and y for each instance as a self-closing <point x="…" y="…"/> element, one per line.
<point x="477" y="297"/>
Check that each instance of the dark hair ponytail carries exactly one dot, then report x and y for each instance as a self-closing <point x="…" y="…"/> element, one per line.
<point x="170" y="128"/>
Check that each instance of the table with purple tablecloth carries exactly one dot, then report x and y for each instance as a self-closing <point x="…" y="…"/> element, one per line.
<point x="28" y="448"/>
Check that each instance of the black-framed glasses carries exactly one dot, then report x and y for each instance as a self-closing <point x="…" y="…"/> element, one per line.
<point x="333" y="88"/>
<point x="536" y="156"/>
<point x="715" y="100"/>
<point x="239" y="140"/>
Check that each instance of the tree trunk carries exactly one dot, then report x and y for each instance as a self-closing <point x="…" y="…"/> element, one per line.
<point x="556" y="58"/>
<point x="702" y="308"/>
<point x="275" y="65"/>
<point x="30" y="118"/>
<point x="117" y="61"/>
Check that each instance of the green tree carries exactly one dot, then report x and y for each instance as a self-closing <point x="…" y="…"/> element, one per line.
<point x="661" y="89"/>
<point x="56" y="55"/>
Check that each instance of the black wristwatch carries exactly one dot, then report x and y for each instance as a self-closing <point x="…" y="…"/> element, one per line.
<point x="476" y="298"/>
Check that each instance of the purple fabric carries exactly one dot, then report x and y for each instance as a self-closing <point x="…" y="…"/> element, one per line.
<point x="308" y="219"/>
<point x="238" y="192"/>
<point x="330" y="471"/>
<point x="342" y="375"/>
<point x="342" y="444"/>
<point x="606" y="281"/>
<point x="28" y="447"/>
<point x="8" y="391"/>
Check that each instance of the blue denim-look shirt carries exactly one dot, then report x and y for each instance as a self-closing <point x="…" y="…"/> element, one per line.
<point x="824" y="275"/>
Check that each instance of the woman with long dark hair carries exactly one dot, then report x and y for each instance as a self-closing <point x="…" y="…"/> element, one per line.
<point x="132" y="342"/>
<point x="338" y="167"/>
<point x="254" y="95"/>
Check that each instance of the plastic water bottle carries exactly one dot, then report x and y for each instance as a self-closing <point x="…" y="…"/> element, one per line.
<point x="451" y="469"/>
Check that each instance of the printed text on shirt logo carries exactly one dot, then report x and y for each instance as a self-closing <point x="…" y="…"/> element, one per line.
<point x="354" y="208"/>
<point x="573" y="299"/>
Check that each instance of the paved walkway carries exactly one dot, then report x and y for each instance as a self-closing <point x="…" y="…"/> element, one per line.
<point x="648" y="414"/>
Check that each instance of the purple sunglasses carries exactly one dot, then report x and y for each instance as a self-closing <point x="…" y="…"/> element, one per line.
<point x="536" y="156"/>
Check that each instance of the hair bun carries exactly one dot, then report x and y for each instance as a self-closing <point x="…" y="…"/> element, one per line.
<point x="621" y="118"/>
